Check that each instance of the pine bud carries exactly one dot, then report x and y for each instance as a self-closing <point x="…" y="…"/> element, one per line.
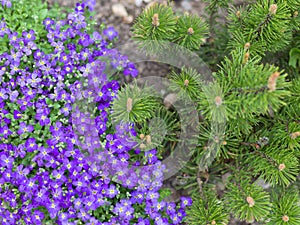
<point x="272" y="81"/>
<point x="273" y="9"/>
<point x="295" y="135"/>
<point x="285" y="218"/>
<point x="186" y="83"/>
<point x="155" y="20"/>
<point x="142" y="136"/>
<point x="238" y="14"/>
<point x="246" y="57"/>
<point x="296" y="13"/>
<point x="148" y="139"/>
<point x="190" y="31"/>
<point x="281" y="167"/>
<point x="213" y="222"/>
<point x="142" y="146"/>
<point x="247" y="45"/>
<point x="218" y="101"/>
<point x="224" y="143"/>
<point x="129" y="104"/>
<point x="250" y="201"/>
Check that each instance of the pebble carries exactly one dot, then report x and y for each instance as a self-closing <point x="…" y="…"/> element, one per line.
<point x="169" y="100"/>
<point x="128" y="19"/>
<point x="186" y="5"/>
<point x="138" y="3"/>
<point x="119" y="10"/>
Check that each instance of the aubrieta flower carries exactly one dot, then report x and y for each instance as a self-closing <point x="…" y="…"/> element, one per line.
<point x="110" y="33"/>
<point x="6" y="3"/>
<point x="79" y="7"/>
<point x="56" y="159"/>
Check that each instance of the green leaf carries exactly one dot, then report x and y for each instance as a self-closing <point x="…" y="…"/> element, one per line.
<point x="294" y="57"/>
<point x="43" y="14"/>
<point x="164" y="193"/>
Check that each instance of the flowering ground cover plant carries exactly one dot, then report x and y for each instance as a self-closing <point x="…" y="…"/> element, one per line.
<point x="62" y="160"/>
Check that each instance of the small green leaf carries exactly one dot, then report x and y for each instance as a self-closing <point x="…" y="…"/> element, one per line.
<point x="43" y="14"/>
<point x="294" y="57"/>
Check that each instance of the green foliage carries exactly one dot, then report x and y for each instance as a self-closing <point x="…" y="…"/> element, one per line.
<point x="155" y="24"/>
<point x="159" y="23"/>
<point x="207" y="209"/>
<point x="294" y="57"/>
<point x="190" y="31"/>
<point x="187" y="83"/>
<point x="267" y="25"/>
<point x="134" y="105"/>
<point x="286" y="208"/>
<point x="247" y="201"/>
<point x="255" y="95"/>
<point x="25" y="15"/>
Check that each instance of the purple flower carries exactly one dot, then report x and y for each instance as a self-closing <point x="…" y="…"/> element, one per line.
<point x="97" y="36"/>
<point x="15" y="56"/>
<point x="42" y="118"/>
<point x="3" y="28"/>
<point x="112" y="191"/>
<point x="80" y="22"/>
<point x="13" y="38"/>
<point x="85" y="40"/>
<point x="3" y="94"/>
<point x="28" y="36"/>
<point x="66" y="109"/>
<point x="5" y="131"/>
<point x="41" y="195"/>
<point x="48" y="22"/>
<point x="34" y="80"/>
<point x="24" y="128"/>
<point x="6" y="3"/>
<point x="131" y="70"/>
<point x="185" y="201"/>
<point x="13" y="96"/>
<point x="22" y="172"/>
<point x="91" y="4"/>
<point x="37" y="217"/>
<point x="6" y="161"/>
<point x="30" y="145"/>
<point x="110" y="33"/>
<point x="79" y="7"/>
<point x="25" y="102"/>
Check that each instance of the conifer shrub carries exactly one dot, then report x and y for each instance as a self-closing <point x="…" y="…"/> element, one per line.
<point x="249" y="170"/>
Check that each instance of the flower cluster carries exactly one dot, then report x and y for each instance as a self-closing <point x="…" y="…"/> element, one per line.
<point x="60" y="158"/>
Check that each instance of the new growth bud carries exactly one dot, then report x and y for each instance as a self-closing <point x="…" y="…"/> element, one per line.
<point x="285" y="218"/>
<point x="272" y="81"/>
<point x="246" y="57"/>
<point x="250" y="201"/>
<point x="148" y="139"/>
<point x="281" y="167"/>
<point x="218" y="101"/>
<point x="295" y="135"/>
<point x="190" y="31"/>
<point x="238" y="14"/>
<point x="142" y="136"/>
<point x="155" y="20"/>
<point x="129" y="104"/>
<point x="273" y="9"/>
<point x="186" y="83"/>
<point x="247" y="45"/>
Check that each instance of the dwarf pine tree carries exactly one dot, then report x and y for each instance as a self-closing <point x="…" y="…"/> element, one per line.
<point x="255" y="59"/>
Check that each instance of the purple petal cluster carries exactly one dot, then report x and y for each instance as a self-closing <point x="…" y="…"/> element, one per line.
<point x="60" y="160"/>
